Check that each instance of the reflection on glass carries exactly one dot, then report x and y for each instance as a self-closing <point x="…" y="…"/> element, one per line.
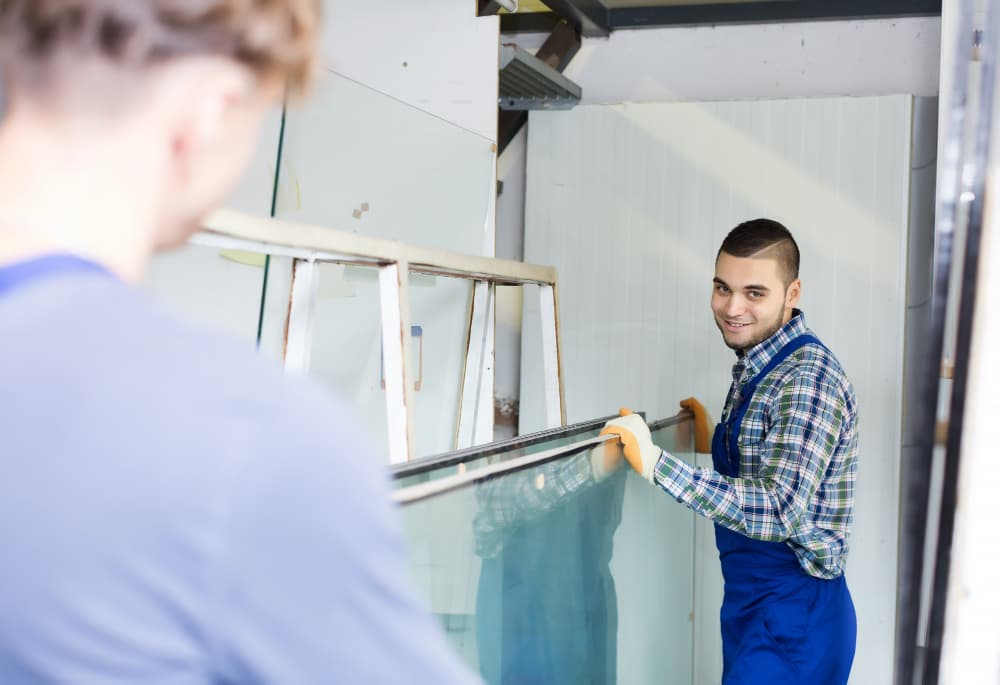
<point x="546" y="608"/>
<point x="439" y="319"/>
<point x="562" y="573"/>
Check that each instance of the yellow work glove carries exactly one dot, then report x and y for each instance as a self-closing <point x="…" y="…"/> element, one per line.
<point x="702" y="434"/>
<point x="637" y="443"/>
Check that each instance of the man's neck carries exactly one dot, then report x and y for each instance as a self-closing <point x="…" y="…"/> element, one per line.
<point x="69" y="189"/>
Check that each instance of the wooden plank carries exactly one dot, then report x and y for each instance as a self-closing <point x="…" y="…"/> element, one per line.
<point x="394" y="296"/>
<point x="322" y="243"/>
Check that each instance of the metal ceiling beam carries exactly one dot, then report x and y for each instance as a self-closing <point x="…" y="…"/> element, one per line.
<point x="759" y="12"/>
<point x="588" y="17"/>
<point x="768" y="11"/>
<point x="529" y="22"/>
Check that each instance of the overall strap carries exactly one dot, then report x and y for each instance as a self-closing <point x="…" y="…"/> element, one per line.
<point x="737" y="414"/>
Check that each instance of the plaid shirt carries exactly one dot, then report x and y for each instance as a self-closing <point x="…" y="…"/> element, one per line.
<point x="798" y="456"/>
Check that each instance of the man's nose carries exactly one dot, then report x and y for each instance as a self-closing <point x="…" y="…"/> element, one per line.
<point x="735" y="305"/>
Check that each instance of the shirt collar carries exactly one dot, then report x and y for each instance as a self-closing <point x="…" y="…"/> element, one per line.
<point x="757" y="357"/>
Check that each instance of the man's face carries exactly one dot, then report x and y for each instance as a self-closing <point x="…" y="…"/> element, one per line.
<point x="750" y="300"/>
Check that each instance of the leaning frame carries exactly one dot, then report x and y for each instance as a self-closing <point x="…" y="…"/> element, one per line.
<point x="309" y="244"/>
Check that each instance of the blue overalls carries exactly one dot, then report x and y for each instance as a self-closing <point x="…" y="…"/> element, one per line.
<point x="780" y="625"/>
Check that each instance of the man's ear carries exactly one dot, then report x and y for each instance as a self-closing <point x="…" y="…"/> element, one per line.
<point x="208" y="87"/>
<point x="792" y="294"/>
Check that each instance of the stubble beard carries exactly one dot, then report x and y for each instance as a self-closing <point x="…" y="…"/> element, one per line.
<point x="757" y="340"/>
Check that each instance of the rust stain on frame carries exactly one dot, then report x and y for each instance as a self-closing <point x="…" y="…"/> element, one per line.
<point x="288" y="313"/>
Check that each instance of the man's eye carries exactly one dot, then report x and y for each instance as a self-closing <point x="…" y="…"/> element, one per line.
<point x="721" y="289"/>
<point x="756" y="294"/>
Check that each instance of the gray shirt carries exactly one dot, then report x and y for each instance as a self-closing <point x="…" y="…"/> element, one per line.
<point x="173" y="509"/>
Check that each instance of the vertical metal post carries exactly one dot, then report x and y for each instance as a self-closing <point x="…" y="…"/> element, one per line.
<point x="913" y="528"/>
<point x="973" y="197"/>
<point x="971" y="650"/>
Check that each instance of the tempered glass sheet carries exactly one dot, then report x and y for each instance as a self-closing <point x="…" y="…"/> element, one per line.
<point x="347" y="346"/>
<point x="532" y="411"/>
<point x="439" y="320"/>
<point x="549" y="575"/>
<point x="357" y="159"/>
<point x="218" y="289"/>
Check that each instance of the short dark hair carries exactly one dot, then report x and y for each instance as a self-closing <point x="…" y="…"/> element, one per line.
<point x="764" y="238"/>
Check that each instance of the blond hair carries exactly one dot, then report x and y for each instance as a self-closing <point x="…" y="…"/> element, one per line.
<point x="275" y="38"/>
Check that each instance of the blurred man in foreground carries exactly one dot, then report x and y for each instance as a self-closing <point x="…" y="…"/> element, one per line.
<point x="173" y="509"/>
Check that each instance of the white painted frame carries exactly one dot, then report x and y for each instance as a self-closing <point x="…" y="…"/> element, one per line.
<point x="310" y="245"/>
<point x="475" y="425"/>
<point x="301" y="314"/>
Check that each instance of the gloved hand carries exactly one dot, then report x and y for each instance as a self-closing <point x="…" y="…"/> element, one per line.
<point x="637" y="443"/>
<point x="605" y="459"/>
<point x="702" y="436"/>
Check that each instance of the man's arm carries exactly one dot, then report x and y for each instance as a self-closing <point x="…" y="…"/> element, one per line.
<point x="806" y="425"/>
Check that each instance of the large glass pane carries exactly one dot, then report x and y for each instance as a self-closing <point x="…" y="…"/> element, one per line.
<point x="346" y="351"/>
<point x="218" y="289"/>
<point x="357" y="159"/>
<point x="439" y="319"/>
<point x="507" y="391"/>
<point x="554" y="575"/>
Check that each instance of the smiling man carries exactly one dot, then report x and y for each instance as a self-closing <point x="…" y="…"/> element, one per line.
<point x="781" y="490"/>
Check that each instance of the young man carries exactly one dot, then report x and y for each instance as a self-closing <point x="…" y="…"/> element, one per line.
<point x="173" y="509"/>
<point x="781" y="491"/>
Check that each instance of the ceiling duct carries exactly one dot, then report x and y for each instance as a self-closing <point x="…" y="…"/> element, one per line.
<point x="527" y="83"/>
